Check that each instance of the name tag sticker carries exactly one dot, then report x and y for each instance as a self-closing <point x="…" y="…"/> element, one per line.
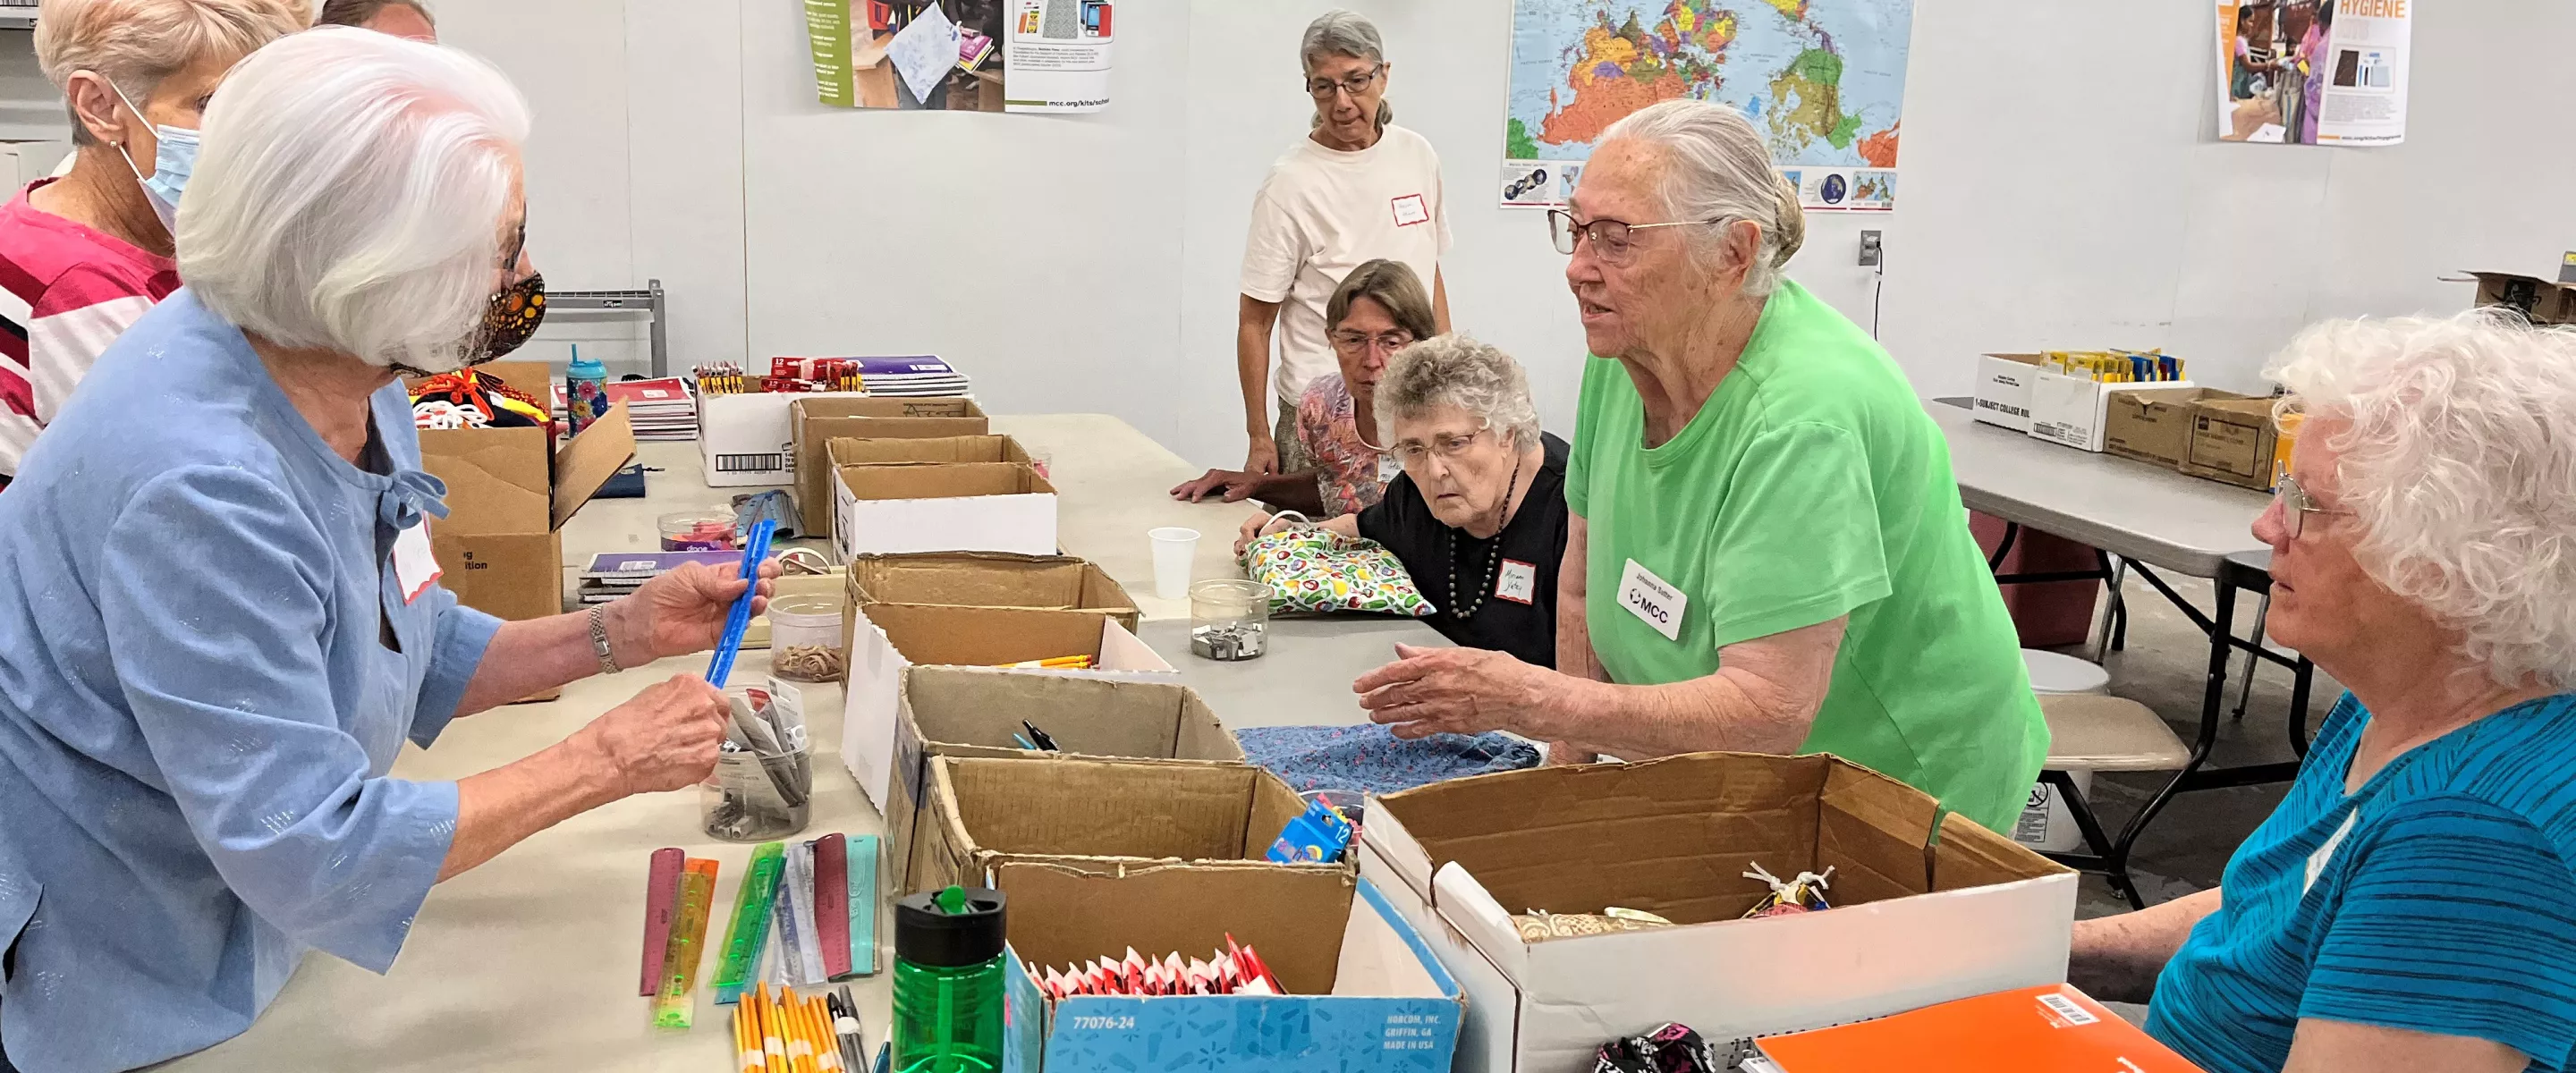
<point x="1652" y="600"/>
<point x="1517" y="582"/>
<point x="415" y="568"/>
<point x="1410" y="210"/>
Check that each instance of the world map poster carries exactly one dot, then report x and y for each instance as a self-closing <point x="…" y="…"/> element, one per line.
<point x="1824" y="80"/>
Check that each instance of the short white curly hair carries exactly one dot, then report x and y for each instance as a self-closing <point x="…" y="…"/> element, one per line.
<point x="1456" y="370"/>
<point x="2456" y="439"/>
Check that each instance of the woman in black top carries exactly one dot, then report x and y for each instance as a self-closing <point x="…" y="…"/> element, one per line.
<point x="1478" y="515"/>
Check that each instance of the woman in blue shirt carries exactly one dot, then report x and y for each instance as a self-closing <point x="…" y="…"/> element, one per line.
<point x="2406" y="906"/>
<point x="216" y="623"/>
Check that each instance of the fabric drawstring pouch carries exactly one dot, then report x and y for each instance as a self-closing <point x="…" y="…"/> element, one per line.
<point x="1310" y="568"/>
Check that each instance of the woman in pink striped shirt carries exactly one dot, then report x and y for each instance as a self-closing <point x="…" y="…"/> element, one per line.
<point x="82" y="256"/>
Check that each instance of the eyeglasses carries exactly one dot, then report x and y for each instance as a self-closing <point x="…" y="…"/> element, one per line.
<point x="518" y="248"/>
<point x="1322" y="88"/>
<point x="1387" y="341"/>
<point x="1610" y="238"/>
<point x="2296" y="503"/>
<point x="1446" y="445"/>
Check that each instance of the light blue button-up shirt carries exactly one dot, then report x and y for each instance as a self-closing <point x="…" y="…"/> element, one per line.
<point x="206" y="669"/>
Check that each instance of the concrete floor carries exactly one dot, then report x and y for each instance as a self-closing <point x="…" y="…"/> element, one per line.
<point x="2165" y="666"/>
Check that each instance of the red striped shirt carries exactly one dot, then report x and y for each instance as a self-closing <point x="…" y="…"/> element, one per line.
<point x="66" y="291"/>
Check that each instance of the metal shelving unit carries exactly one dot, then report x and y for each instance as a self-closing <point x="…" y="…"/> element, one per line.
<point x="647" y="303"/>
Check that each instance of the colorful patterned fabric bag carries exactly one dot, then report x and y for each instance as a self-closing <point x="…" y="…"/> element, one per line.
<point x="1315" y="569"/>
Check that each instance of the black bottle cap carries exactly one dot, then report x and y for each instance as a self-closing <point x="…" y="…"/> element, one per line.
<point x="944" y="930"/>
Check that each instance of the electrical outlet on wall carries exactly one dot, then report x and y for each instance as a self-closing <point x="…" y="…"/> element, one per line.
<point x="1870" y="251"/>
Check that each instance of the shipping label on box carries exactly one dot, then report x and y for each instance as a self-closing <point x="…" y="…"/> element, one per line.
<point x="2153" y="423"/>
<point x="2003" y="389"/>
<point x="980" y="814"/>
<point x="2234" y="441"/>
<point x="978" y="711"/>
<point x="886" y="638"/>
<point x="964" y="506"/>
<point x="1365" y="993"/>
<point x="1933" y="918"/>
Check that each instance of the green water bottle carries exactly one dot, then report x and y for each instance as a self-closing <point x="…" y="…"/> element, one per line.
<point x="948" y="981"/>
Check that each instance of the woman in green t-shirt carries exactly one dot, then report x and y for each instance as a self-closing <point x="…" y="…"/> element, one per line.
<point x="1767" y="551"/>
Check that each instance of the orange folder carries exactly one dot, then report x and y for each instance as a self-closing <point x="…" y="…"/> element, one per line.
<point x="2053" y="1029"/>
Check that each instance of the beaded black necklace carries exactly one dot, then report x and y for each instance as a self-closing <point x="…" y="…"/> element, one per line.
<point x="1459" y="608"/>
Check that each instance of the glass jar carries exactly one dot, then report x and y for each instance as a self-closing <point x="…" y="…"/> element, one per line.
<point x="699" y="530"/>
<point x="805" y="637"/>
<point x="762" y="787"/>
<point x="1229" y="619"/>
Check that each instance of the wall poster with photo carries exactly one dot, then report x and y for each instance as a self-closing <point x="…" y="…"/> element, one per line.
<point x="961" y="55"/>
<point x="2313" y="72"/>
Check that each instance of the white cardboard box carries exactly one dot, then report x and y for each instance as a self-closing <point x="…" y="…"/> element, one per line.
<point x="2003" y="389"/>
<point x="941" y="506"/>
<point x="2069" y="410"/>
<point x="886" y="638"/>
<point x="743" y="440"/>
<point x="1669" y="836"/>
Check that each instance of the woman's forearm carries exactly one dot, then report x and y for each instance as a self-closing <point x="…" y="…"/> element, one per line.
<point x="1717" y="712"/>
<point x="2117" y="958"/>
<point x="1254" y="321"/>
<point x="502" y="807"/>
<point x="539" y="654"/>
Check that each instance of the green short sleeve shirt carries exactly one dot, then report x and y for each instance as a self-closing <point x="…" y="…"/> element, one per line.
<point x="1811" y="485"/>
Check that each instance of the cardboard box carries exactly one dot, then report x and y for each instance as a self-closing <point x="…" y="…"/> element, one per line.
<point x="979" y="814"/>
<point x="976" y="711"/>
<point x="2234" y="441"/>
<point x="854" y="451"/>
<point x="509" y="493"/>
<point x="2543" y="301"/>
<point x="2154" y="424"/>
<point x="1917" y="919"/>
<point x="989" y="579"/>
<point x="743" y="440"/>
<point x="2003" y="389"/>
<point x="886" y="638"/>
<point x="2069" y="410"/>
<point x="813" y="422"/>
<point x="942" y="506"/>
<point x="1366" y="994"/>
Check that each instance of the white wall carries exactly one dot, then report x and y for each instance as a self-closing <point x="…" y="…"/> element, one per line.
<point x="2059" y="188"/>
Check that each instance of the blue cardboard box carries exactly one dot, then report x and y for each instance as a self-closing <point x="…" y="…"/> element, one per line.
<point x="1366" y="995"/>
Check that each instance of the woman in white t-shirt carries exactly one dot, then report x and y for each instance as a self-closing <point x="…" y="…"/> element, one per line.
<point x="1356" y="189"/>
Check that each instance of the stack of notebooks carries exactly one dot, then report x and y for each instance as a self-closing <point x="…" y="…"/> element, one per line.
<point x="661" y="409"/>
<point x="617" y="573"/>
<point x="2039" y="1029"/>
<point x="915" y="376"/>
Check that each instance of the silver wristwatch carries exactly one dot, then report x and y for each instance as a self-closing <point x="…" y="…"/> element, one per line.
<point x="599" y="639"/>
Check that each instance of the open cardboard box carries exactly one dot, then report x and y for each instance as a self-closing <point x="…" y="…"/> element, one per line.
<point x="1366" y="996"/>
<point x="509" y="493"/>
<point x="2002" y="396"/>
<point x="2153" y="424"/>
<point x="942" y="506"/>
<point x="813" y="422"/>
<point x="989" y="579"/>
<point x="1101" y="814"/>
<point x="976" y="711"/>
<point x="886" y="638"/>
<point x="2542" y="301"/>
<point x="743" y="438"/>
<point x="1927" y="907"/>
<point x="2070" y="410"/>
<point x="2234" y="441"/>
<point x="880" y="451"/>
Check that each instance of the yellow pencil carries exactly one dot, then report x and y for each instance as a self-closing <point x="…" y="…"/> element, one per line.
<point x="826" y="1057"/>
<point x="800" y="1051"/>
<point x="745" y="1044"/>
<point x="772" y="1045"/>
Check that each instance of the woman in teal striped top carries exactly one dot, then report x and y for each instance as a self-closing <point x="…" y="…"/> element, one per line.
<point x="2408" y="906"/>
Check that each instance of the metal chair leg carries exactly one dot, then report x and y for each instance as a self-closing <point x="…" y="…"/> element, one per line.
<point x="2090" y="827"/>
<point x="2245" y="686"/>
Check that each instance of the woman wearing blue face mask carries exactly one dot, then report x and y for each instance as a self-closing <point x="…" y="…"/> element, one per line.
<point x="83" y="255"/>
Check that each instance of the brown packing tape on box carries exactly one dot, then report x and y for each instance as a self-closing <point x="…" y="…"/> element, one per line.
<point x="1064" y="913"/>
<point x="1095" y="813"/>
<point x="977" y="711"/>
<point x="990" y="579"/>
<point x="813" y="423"/>
<point x="1674" y="836"/>
<point x="2233" y="441"/>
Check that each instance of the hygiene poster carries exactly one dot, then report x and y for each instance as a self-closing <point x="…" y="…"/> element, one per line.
<point x="2313" y="72"/>
<point x="961" y="55"/>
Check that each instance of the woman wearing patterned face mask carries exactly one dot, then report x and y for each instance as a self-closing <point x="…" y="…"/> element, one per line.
<point x="83" y="255"/>
<point x="219" y="620"/>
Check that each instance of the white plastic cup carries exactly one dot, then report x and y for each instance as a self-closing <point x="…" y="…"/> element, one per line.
<point x="1174" y="548"/>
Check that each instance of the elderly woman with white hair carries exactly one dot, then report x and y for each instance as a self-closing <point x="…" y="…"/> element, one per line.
<point x="1767" y="553"/>
<point x="1357" y="188"/>
<point x="219" y="619"/>
<point x="84" y="254"/>
<point x="2404" y="908"/>
<point x="1477" y="516"/>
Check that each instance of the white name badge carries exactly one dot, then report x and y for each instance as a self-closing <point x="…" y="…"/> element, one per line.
<point x="1652" y="600"/>
<point x="414" y="565"/>
<point x="1517" y="581"/>
<point x="1410" y="210"/>
<point x="1388" y="468"/>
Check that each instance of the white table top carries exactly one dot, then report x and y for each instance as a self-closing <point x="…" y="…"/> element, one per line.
<point x="2120" y="505"/>
<point x="530" y="962"/>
